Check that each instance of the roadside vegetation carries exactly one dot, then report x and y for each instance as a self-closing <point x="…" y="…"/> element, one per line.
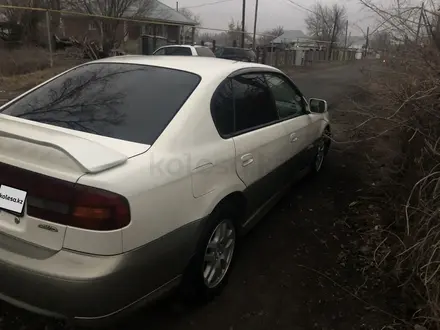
<point x="395" y="118"/>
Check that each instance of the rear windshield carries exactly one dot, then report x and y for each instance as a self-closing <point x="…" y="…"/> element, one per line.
<point x="178" y="51"/>
<point x="235" y="52"/>
<point x="124" y="101"/>
<point x="204" y="51"/>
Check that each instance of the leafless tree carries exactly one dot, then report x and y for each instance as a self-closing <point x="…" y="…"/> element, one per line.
<point x="190" y="15"/>
<point x="116" y="9"/>
<point x="399" y="18"/>
<point x="271" y="34"/>
<point x="326" y="23"/>
<point x="381" y="40"/>
<point x="235" y="32"/>
<point x="27" y="20"/>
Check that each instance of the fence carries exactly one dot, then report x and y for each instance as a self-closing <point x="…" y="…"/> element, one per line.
<point x="67" y="35"/>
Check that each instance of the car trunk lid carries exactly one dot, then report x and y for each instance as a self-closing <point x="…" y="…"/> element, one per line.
<point x="39" y="167"/>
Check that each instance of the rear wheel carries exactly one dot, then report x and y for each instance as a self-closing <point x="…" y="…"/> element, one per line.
<point x="321" y="152"/>
<point x="209" y="270"/>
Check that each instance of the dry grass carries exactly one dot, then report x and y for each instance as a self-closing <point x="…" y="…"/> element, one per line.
<point x="400" y="122"/>
<point x="24" y="68"/>
<point x="23" y="60"/>
<point x="17" y="83"/>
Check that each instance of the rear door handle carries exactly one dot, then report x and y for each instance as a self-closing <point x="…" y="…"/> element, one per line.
<point x="293" y="137"/>
<point x="247" y="160"/>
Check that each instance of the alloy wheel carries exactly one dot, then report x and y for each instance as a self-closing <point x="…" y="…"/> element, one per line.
<point x="320" y="155"/>
<point x="218" y="253"/>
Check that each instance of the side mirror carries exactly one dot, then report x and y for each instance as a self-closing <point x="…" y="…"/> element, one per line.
<point x="318" y="105"/>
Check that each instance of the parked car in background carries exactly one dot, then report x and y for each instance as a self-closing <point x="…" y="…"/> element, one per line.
<point x="184" y="50"/>
<point x="236" y="54"/>
<point x="123" y="178"/>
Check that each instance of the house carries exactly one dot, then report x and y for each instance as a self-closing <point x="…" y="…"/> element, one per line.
<point x="290" y="37"/>
<point x="171" y="23"/>
<point x="356" y="42"/>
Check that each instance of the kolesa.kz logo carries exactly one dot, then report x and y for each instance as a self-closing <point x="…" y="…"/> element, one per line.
<point x="12" y="199"/>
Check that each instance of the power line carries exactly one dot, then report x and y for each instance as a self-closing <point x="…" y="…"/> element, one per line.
<point x="207" y="4"/>
<point x="301" y="6"/>
<point x="292" y="6"/>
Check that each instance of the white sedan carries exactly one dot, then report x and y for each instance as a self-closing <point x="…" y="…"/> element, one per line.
<point x="125" y="177"/>
<point x="184" y="50"/>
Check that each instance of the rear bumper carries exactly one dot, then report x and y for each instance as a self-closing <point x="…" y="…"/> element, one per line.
<point x="92" y="289"/>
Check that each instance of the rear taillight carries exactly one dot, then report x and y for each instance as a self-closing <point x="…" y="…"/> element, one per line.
<point x="67" y="203"/>
<point x="86" y="208"/>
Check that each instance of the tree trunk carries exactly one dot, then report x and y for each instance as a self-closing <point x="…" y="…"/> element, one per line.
<point x="333" y="35"/>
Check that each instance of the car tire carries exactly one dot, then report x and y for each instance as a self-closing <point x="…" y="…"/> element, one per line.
<point x="209" y="269"/>
<point x="323" y="146"/>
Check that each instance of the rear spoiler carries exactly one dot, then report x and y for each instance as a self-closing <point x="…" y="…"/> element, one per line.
<point x="91" y="156"/>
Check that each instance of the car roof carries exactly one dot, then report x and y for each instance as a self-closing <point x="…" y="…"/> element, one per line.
<point x="202" y="66"/>
<point x="175" y="46"/>
<point x="195" y="46"/>
<point x="237" y="48"/>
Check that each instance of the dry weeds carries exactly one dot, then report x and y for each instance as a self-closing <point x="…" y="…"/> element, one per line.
<point x="397" y="120"/>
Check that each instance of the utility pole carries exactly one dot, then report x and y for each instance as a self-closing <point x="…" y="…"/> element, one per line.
<point x="420" y="22"/>
<point x="367" y="41"/>
<point x="255" y="24"/>
<point x="243" y="18"/>
<point x="346" y="34"/>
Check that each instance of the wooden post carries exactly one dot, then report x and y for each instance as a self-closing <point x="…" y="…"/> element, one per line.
<point x="420" y="22"/>
<point x="49" y="39"/>
<point x="193" y="35"/>
<point x="213" y="45"/>
<point x="367" y="42"/>
<point x="243" y="19"/>
<point x="255" y="24"/>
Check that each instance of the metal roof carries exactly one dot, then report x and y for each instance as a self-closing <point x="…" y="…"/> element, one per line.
<point x="158" y="11"/>
<point x="290" y="36"/>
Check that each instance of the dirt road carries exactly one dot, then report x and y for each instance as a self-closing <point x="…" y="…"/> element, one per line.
<point x="298" y="269"/>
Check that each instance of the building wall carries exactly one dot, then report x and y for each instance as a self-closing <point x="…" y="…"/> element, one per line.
<point x="80" y="27"/>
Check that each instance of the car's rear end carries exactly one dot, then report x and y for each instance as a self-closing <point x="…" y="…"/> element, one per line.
<point x="61" y="241"/>
<point x="204" y="51"/>
<point x="236" y="54"/>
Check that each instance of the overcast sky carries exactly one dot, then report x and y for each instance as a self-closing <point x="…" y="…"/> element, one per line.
<point x="271" y="13"/>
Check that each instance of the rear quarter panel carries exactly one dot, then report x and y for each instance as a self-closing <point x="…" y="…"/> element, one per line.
<point x="180" y="179"/>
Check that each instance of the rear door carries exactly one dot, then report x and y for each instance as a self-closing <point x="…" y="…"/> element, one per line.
<point x="298" y="124"/>
<point x="258" y="137"/>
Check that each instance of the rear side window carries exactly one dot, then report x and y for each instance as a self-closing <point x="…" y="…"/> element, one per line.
<point x="222" y="106"/>
<point x="243" y="103"/>
<point x="254" y="105"/>
<point x="204" y="51"/>
<point x="124" y="101"/>
<point x="178" y="51"/>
